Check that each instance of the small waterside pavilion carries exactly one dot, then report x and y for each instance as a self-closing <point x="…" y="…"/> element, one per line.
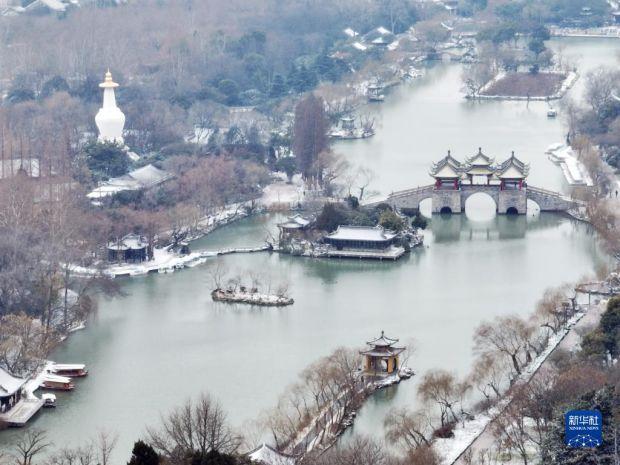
<point x="363" y="242"/>
<point x="131" y="248"/>
<point x="381" y="359"/>
<point x="16" y="409"/>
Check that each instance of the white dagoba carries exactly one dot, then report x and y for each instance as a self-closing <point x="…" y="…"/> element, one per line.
<point x="110" y="119"/>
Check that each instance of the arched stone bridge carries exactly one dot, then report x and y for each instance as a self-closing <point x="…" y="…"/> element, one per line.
<point x="506" y="201"/>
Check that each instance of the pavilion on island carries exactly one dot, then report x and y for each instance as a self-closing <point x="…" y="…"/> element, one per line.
<point x="382" y="357"/>
<point x="363" y="242"/>
<point x="360" y="237"/>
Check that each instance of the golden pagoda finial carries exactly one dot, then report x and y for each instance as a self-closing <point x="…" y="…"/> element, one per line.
<point x="108" y="82"/>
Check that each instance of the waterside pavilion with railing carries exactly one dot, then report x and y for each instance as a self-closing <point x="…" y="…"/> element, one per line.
<point x="363" y="242"/>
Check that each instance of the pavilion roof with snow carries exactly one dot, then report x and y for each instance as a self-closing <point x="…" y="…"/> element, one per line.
<point x="447" y="168"/>
<point x="361" y="233"/>
<point x="267" y="455"/>
<point x="479" y="164"/>
<point x="295" y="222"/>
<point x="382" y="346"/>
<point x="9" y="385"/>
<point x="513" y="168"/>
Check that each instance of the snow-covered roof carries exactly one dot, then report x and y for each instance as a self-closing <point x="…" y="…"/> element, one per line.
<point x="359" y="46"/>
<point x="9" y="385"/>
<point x="10" y="168"/>
<point x="52" y="378"/>
<point x="350" y="32"/>
<point x="267" y="455"/>
<point x="513" y="168"/>
<point x="149" y="175"/>
<point x="448" y="167"/>
<point x="361" y="233"/>
<point x="53" y="5"/>
<point x="479" y="159"/>
<point x="68" y="366"/>
<point x="383" y="31"/>
<point x="129" y="242"/>
<point x="141" y="178"/>
<point x="295" y="222"/>
<point x="382" y="340"/>
<point x="446" y="171"/>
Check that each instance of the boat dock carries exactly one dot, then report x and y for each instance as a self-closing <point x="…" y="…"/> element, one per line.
<point x="19" y="415"/>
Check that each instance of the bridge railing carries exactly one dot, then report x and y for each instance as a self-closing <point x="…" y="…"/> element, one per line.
<point x="540" y="190"/>
<point x="415" y="190"/>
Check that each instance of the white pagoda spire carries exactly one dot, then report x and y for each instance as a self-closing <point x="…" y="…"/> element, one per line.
<point x="110" y="119"/>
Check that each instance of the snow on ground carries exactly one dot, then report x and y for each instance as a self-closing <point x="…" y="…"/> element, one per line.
<point x="574" y="171"/>
<point x="283" y="193"/>
<point x="35" y="382"/>
<point x="466" y="433"/>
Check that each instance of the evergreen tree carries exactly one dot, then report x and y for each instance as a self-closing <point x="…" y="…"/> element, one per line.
<point x="278" y="86"/>
<point x="53" y="85"/>
<point x="230" y="89"/>
<point x="106" y="160"/>
<point x="143" y="454"/>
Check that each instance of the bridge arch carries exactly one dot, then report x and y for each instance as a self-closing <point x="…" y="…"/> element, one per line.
<point x="480" y="205"/>
<point x="512" y="211"/>
<point x="445" y="211"/>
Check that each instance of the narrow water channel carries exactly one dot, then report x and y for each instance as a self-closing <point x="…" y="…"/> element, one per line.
<point x="165" y="340"/>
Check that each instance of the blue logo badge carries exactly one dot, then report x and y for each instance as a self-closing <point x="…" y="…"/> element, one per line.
<point x="584" y="428"/>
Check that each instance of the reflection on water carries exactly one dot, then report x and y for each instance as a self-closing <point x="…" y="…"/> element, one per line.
<point x="167" y="340"/>
<point x="450" y="228"/>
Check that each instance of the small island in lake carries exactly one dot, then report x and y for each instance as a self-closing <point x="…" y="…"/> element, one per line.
<point x="236" y="291"/>
<point x="250" y="296"/>
<point x="520" y="84"/>
<point x="349" y="230"/>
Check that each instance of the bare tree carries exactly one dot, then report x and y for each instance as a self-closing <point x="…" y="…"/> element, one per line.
<point x="360" y="451"/>
<point x="364" y="178"/>
<point x="442" y="389"/>
<point x="194" y="428"/>
<point x="28" y="446"/>
<point x="310" y="136"/>
<point x="475" y="76"/>
<point x="105" y="444"/>
<point x="409" y="429"/>
<point x="510" y="429"/>
<point x="508" y="336"/>
<point x="490" y="375"/>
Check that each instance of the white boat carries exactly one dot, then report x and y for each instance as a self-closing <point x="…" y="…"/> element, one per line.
<point x="57" y="383"/>
<point x="70" y="370"/>
<point x="49" y="400"/>
<point x="552" y="113"/>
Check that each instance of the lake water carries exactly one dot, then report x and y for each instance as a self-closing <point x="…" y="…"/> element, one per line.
<point x="166" y="340"/>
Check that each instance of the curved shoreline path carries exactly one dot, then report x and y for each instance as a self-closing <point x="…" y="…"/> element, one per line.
<point x="485" y="441"/>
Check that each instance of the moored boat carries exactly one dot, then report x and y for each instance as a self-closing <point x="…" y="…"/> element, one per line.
<point x="70" y="370"/>
<point x="49" y="400"/>
<point x="57" y="383"/>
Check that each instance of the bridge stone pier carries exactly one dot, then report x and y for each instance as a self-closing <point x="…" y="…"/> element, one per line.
<point x="504" y="183"/>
